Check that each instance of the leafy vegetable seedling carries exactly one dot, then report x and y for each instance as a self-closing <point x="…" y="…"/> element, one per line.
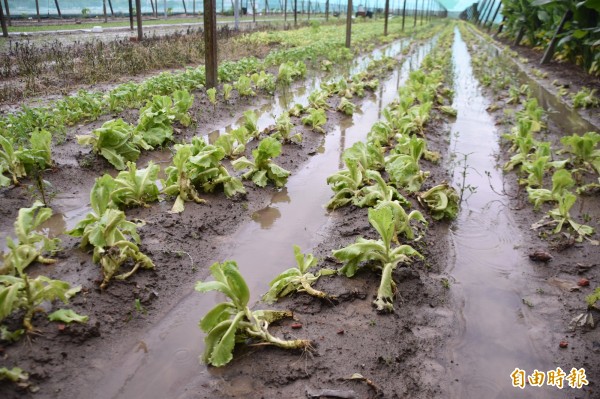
<point x="263" y="169"/>
<point x="379" y="254"/>
<point x="233" y="321"/>
<point x="298" y="279"/>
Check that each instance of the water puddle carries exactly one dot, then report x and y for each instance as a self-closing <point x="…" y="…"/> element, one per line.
<point x="262" y="249"/>
<point x="497" y="331"/>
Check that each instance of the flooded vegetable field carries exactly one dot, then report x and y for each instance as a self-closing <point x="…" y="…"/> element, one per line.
<point x="415" y="217"/>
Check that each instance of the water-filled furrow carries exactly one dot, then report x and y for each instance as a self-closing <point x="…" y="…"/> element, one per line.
<point x="72" y="207"/>
<point x="262" y="248"/>
<point x="497" y="333"/>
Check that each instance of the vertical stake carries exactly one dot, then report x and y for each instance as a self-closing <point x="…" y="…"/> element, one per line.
<point x="210" y="43"/>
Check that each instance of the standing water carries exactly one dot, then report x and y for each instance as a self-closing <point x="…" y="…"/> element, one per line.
<point x="497" y="332"/>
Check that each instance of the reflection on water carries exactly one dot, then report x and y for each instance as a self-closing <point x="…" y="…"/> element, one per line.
<point x="266" y="216"/>
<point x="497" y="332"/>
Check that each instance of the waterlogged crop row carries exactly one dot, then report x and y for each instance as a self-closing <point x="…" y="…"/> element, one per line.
<point x="399" y="137"/>
<point x="549" y="174"/>
<point x="20" y="152"/>
<point x="196" y="167"/>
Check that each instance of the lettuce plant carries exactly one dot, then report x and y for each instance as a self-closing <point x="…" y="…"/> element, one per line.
<point x="30" y="244"/>
<point x="264" y="81"/>
<point x="198" y="165"/>
<point x="371" y="195"/>
<point x="283" y="130"/>
<point x="116" y="141"/>
<point x="318" y="99"/>
<point x="262" y="168"/>
<point x="227" y="91"/>
<point x="585" y="98"/>
<point x="136" y="187"/>
<point x="251" y="123"/>
<point x="442" y="201"/>
<point x="346" y="106"/>
<point x="316" y="118"/>
<point x="233" y="321"/>
<point x="404" y="171"/>
<point x="244" y="86"/>
<point x="18" y="161"/>
<point x="21" y="292"/>
<point x="368" y="156"/>
<point x="297" y="110"/>
<point x="584" y="148"/>
<point x="298" y="279"/>
<point x="562" y="181"/>
<point x="379" y="254"/>
<point x="346" y="185"/>
<point x="212" y="96"/>
<point x="109" y="232"/>
<point x="231" y="144"/>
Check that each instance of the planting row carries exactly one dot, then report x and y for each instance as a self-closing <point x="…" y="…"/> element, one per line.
<point x="25" y="141"/>
<point x="557" y="172"/>
<point x="394" y="146"/>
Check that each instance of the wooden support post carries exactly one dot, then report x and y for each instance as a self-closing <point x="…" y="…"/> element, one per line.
<point x="3" y="22"/>
<point x="385" y="15"/>
<point x="236" y="15"/>
<point x="152" y="5"/>
<point x="403" y="14"/>
<point x="416" y="6"/>
<point x="112" y="12"/>
<point x="349" y="24"/>
<point x="478" y="14"/>
<point x="285" y="14"/>
<point x="138" y="16"/>
<point x="8" y="20"/>
<point x="185" y="8"/>
<point x="210" y="43"/>
<point x="193" y="7"/>
<point x="37" y="10"/>
<point x="131" y="14"/>
<point x="295" y="13"/>
<point x="104" y="11"/>
<point x="494" y="17"/>
<point x="422" y="11"/>
<point x="552" y="46"/>
<point x="253" y="10"/>
<point x="57" y="8"/>
<point x="327" y="10"/>
<point x="309" y="10"/>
